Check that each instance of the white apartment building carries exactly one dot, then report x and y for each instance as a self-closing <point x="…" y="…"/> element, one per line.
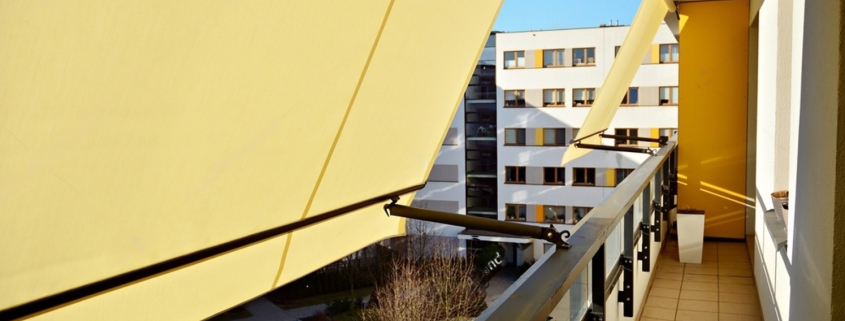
<point x="501" y="156"/>
<point x="546" y="83"/>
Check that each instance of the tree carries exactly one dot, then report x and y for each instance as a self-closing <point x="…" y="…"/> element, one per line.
<point x="440" y="286"/>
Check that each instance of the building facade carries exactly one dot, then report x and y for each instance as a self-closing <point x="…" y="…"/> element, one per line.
<point x="547" y="81"/>
<point x="530" y="93"/>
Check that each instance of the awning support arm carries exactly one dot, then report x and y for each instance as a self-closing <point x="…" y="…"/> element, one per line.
<point x="549" y="234"/>
<point x="660" y="140"/>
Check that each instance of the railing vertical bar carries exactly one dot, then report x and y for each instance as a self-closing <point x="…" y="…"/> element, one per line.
<point x="597" y="287"/>
<point x="626" y="296"/>
<point x="645" y="226"/>
<point x="658" y="199"/>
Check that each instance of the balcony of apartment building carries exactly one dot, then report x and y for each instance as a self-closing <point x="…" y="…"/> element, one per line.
<point x="748" y="127"/>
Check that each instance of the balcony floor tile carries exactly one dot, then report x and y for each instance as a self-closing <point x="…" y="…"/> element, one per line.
<point x="721" y="288"/>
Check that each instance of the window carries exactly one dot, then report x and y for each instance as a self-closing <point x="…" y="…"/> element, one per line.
<point x="616" y="51"/>
<point x="583" y="56"/>
<point x="554" y="175"/>
<point x="553" y="58"/>
<point x="515" y="212"/>
<point x="668" y="132"/>
<point x="554" y="137"/>
<point x="584" y="176"/>
<point x="668" y="96"/>
<point x="622" y="173"/>
<point x="669" y="53"/>
<point x="514" y="136"/>
<point x="515" y="174"/>
<point x="579" y="212"/>
<point x="554" y="214"/>
<point x="626" y="132"/>
<point x="514" y="98"/>
<point x="631" y="97"/>
<point x="514" y="59"/>
<point x="553" y="97"/>
<point x="583" y="97"/>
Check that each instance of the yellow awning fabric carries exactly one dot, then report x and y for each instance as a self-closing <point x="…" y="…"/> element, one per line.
<point x="622" y="71"/>
<point x="136" y="132"/>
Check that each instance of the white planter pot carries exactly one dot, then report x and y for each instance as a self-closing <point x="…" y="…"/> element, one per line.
<point x="690" y="237"/>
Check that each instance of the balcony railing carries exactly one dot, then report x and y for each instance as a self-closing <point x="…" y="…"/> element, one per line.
<point x="606" y="272"/>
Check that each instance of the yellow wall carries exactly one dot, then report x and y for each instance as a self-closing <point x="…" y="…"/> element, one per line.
<point x="655" y="133"/>
<point x="538" y="136"/>
<point x="655" y="53"/>
<point x="136" y="132"/>
<point x="712" y="113"/>
<point x="539" y="213"/>
<point x="610" y="175"/>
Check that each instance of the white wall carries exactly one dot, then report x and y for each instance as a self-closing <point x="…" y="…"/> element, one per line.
<point x="813" y="241"/>
<point x="799" y="57"/>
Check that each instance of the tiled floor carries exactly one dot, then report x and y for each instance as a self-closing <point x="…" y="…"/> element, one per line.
<point x="720" y="288"/>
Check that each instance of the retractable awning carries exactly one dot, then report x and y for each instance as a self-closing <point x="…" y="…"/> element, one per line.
<point x="622" y="71"/>
<point x="134" y="133"/>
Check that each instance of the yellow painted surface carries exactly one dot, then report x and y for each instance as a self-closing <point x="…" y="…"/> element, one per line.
<point x="643" y="28"/>
<point x="655" y="53"/>
<point x="135" y="132"/>
<point x="713" y="111"/>
<point x="538" y="58"/>
<point x="538" y="136"/>
<point x="610" y="174"/>
<point x="655" y="133"/>
<point x="539" y="213"/>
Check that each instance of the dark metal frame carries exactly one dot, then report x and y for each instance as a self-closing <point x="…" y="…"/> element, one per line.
<point x="549" y="234"/>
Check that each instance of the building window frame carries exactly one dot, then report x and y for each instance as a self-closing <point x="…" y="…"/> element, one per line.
<point x="621" y="174"/>
<point x="518" y="213"/>
<point x="583" y="176"/>
<point x="586" y="93"/>
<point x="517" y="172"/>
<point x="557" y="59"/>
<point x="558" y="136"/>
<point x="579" y="212"/>
<point x="673" y="53"/>
<point x="558" y="175"/>
<point x="632" y="92"/>
<point x="588" y="60"/>
<point x="633" y="132"/>
<point x="558" y="97"/>
<point x="516" y="55"/>
<point x="518" y="100"/>
<point x="671" y="95"/>
<point x="519" y="136"/>
<point x="559" y="212"/>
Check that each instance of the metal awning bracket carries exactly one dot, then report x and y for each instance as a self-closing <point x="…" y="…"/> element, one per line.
<point x="549" y="234"/>
<point x="662" y="140"/>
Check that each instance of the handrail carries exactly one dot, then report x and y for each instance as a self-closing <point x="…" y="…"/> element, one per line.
<point x="540" y="289"/>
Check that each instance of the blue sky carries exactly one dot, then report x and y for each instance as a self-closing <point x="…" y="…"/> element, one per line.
<point x="521" y="15"/>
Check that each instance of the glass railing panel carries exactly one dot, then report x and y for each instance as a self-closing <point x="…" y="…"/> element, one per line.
<point x="613" y="248"/>
<point x="576" y="302"/>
